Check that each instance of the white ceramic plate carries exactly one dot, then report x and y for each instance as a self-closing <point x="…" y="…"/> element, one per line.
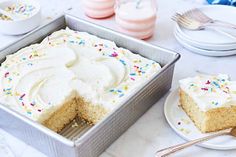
<point x="185" y="128"/>
<point x="203" y="51"/>
<point x="209" y="38"/>
<point x="200" y="45"/>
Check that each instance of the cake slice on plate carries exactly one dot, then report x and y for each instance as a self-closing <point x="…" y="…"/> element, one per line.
<point x="210" y="101"/>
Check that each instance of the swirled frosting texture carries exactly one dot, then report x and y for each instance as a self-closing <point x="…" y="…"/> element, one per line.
<point x="38" y="79"/>
<point x="210" y="92"/>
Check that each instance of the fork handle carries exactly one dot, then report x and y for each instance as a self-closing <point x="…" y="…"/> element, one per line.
<point x="220" y="23"/>
<point x="167" y="151"/>
<point x="221" y="32"/>
<point x="225" y="33"/>
<point x="224" y="24"/>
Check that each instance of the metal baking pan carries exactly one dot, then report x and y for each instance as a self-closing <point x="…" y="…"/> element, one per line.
<point x="84" y="140"/>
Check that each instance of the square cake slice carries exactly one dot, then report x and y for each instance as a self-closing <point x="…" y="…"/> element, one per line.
<point x="210" y="101"/>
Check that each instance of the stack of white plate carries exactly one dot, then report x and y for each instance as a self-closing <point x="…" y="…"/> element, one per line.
<point x="209" y="42"/>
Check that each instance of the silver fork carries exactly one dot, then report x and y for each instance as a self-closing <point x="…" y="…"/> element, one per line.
<point x="193" y="24"/>
<point x="173" y="149"/>
<point x="203" y="18"/>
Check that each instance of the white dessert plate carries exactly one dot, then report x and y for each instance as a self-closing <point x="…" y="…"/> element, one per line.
<point x="204" y="52"/>
<point x="208" y="38"/>
<point x="200" y="45"/>
<point x="184" y="127"/>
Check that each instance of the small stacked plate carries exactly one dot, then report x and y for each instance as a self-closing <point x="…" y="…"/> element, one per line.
<point x="209" y="42"/>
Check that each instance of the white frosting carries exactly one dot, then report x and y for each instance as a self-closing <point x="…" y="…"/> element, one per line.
<point x="38" y="79"/>
<point x="210" y="92"/>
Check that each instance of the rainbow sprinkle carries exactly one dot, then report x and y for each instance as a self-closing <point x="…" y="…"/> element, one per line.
<point x="114" y="54"/>
<point x="6" y="74"/>
<point x="82" y="42"/>
<point x="7" y="91"/>
<point x="214" y="103"/>
<point x="216" y="84"/>
<point x="122" y="61"/>
<point x="30" y="64"/>
<point x="22" y="96"/>
<point x="213" y="86"/>
<point x="118" y="92"/>
<point x="205" y="89"/>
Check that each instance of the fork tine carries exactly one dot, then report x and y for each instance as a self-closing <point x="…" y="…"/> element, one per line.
<point x="192" y="14"/>
<point x="189" y="12"/>
<point x="187" y="22"/>
<point x="199" y="11"/>
<point x="174" y="17"/>
<point x="184" y="19"/>
<point x="178" y="20"/>
<point x="197" y="14"/>
<point x="184" y="24"/>
<point x="202" y="15"/>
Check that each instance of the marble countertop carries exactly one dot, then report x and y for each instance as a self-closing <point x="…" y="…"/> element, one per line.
<point x="151" y="132"/>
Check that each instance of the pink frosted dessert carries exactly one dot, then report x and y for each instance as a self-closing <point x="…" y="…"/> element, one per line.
<point x="136" y="18"/>
<point x="99" y="8"/>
